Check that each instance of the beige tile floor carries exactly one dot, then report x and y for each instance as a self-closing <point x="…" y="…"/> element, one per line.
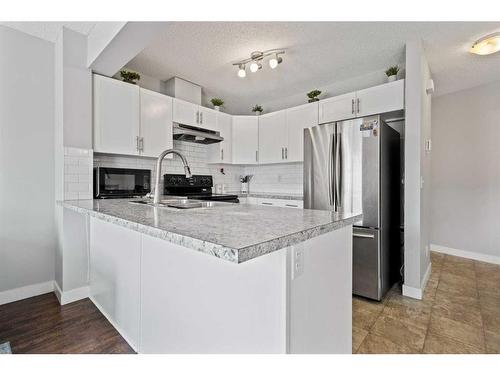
<point x="459" y="313"/>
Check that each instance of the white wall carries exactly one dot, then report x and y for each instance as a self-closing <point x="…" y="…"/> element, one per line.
<point x="417" y="169"/>
<point x="27" y="228"/>
<point x="465" y="195"/>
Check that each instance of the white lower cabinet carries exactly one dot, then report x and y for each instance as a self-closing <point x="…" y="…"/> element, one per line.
<point x="115" y="260"/>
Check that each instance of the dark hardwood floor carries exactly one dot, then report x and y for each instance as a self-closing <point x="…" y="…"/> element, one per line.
<point x="40" y="325"/>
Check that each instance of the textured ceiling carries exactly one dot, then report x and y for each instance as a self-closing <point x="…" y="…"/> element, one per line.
<point x="49" y="30"/>
<point x="318" y="53"/>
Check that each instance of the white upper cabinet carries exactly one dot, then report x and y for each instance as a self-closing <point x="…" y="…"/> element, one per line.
<point x="374" y="100"/>
<point x="272" y="137"/>
<point x="156" y="123"/>
<point x="208" y="118"/>
<point x="186" y="113"/>
<point x="194" y="115"/>
<point x="222" y="152"/>
<point x="245" y="139"/>
<point x="379" y="99"/>
<point x="297" y="119"/>
<point x="116" y="116"/>
<point x="338" y="108"/>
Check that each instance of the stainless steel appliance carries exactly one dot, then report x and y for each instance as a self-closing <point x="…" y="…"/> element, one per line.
<point x="194" y="134"/>
<point x="354" y="166"/>
<point x="121" y="182"/>
<point x="198" y="187"/>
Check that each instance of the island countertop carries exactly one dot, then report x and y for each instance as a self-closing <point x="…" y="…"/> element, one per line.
<point x="233" y="232"/>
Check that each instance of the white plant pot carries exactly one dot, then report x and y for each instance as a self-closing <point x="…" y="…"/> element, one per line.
<point x="244" y="187"/>
<point x="392" y="78"/>
<point x="217" y="107"/>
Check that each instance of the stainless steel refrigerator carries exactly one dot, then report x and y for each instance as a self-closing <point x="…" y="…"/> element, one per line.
<point x="354" y="166"/>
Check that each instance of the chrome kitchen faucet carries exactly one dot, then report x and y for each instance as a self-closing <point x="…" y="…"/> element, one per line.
<point x="159" y="161"/>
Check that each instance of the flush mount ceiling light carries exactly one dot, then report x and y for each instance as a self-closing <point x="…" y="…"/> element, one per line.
<point x="255" y="61"/>
<point x="487" y="45"/>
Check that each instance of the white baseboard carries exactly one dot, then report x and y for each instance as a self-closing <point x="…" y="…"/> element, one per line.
<point x="27" y="291"/>
<point x="466" y="254"/>
<point x="132" y="344"/>
<point x="418" y="293"/>
<point x="70" y="295"/>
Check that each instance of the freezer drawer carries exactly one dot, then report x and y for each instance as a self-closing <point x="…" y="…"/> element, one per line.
<point x="366" y="263"/>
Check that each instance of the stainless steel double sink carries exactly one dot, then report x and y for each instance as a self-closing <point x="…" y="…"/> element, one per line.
<point x="180" y="203"/>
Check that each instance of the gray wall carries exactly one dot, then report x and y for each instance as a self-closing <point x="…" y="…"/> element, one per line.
<point x="27" y="230"/>
<point x="466" y="170"/>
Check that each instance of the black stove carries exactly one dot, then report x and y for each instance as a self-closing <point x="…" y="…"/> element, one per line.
<point x="196" y="187"/>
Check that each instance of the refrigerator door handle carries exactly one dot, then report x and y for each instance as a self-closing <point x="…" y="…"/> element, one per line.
<point x="363" y="235"/>
<point x="338" y="173"/>
<point x="330" y="169"/>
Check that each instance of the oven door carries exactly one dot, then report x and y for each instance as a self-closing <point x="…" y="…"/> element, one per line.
<point x="121" y="182"/>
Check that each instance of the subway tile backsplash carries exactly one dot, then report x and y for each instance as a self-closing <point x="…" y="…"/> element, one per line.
<point x="77" y="173"/>
<point x="277" y="178"/>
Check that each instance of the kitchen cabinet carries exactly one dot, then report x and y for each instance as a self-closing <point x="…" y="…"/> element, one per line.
<point x="156" y="123"/>
<point x="379" y="99"/>
<point x="289" y="203"/>
<point x="245" y="139"/>
<point x="383" y="98"/>
<point x="222" y="152"/>
<point x="130" y="120"/>
<point x="338" y="108"/>
<point x="186" y="113"/>
<point x="272" y="137"/>
<point x="116" y="116"/>
<point x="297" y="119"/>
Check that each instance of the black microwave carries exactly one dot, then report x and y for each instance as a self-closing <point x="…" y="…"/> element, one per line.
<point x="121" y="182"/>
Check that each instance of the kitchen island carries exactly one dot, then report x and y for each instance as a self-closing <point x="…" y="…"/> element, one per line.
<point x="231" y="278"/>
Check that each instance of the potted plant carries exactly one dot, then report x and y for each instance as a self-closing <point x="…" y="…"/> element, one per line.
<point x="313" y="96"/>
<point x="217" y="103"/>
<point x="130" y="77"/>
<point x="392" y="73"/>
<point x="257" y="109"/>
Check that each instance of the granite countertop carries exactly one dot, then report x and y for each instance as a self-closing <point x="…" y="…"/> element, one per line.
<point x="233" y="232"/>
<point x="290" y="196"/>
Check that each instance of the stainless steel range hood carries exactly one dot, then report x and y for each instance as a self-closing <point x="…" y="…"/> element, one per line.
<point x="196" y="135"/>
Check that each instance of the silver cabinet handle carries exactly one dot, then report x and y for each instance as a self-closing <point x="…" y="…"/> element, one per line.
<point x="352" y="106"/>
<point x="282" y="153"/>
<point x="137" y="143"/>
<point x="222" y="154"/>
<point x="197" y="117"/>
<point x="267" y="203"/>
<point x="357" y="101"/>
<point x="257" y="155"/>
<point x="201" y="117"/>
<point x="363" y="235"/>
<point x="291" y="205"/>
<point x="286" y="152"/>
<point x="141" y="144"/>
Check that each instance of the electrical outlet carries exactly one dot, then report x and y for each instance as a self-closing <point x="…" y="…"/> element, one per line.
<point x="297" y="261"/>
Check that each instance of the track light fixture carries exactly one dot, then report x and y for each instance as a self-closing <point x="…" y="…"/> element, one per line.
<point x="255" y="61"/>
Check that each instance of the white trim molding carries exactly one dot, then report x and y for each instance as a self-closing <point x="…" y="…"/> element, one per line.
<point x="71" y="295"/>
<point x="466" y="254"/>
<point x="17" y="294"/>
<point x="418" y="293"/>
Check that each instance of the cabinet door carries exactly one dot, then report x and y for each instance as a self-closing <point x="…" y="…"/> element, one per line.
<point x="116" y="116"/>
<point x="208" y="118"/>
<point x="272" y="137"/>
<point x="185" y="113"/>
<point x="245" y="139"/>
<point x="222" y="152"/>
<point x="337" y="108"/>
<point x="297" y="119"/>
<point x="156" y="123"/>
<point x="379" y="99"/>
